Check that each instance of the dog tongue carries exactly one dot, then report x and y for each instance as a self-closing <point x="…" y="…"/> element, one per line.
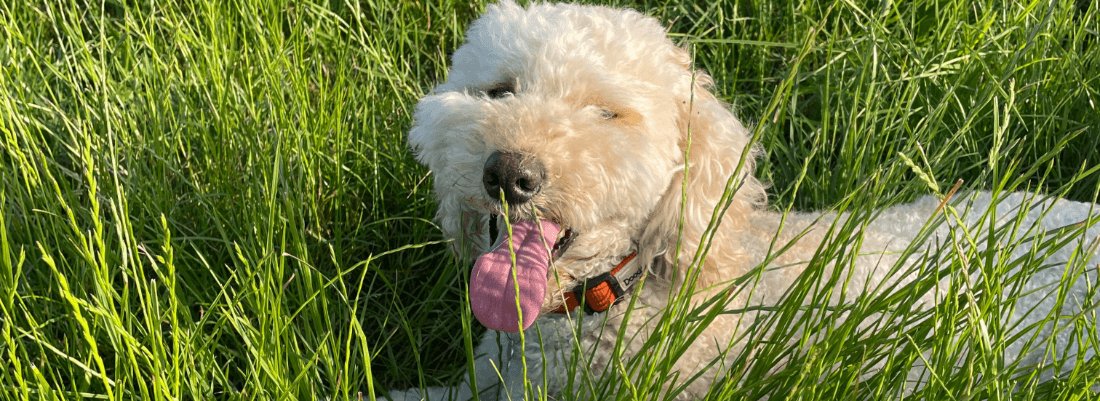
<point x="493" y="286"/>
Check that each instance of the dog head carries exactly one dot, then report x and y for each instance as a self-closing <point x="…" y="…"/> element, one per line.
<point x="578" y="124"/>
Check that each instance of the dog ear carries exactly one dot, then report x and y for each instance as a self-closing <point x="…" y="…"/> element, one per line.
<point x="714" y="142"/>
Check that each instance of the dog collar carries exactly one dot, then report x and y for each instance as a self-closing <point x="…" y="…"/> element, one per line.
<point x="603" y="291"/>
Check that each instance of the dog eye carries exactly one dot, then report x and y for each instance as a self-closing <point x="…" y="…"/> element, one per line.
<point x="608" y="114"/>
<point x="500" y="91"/>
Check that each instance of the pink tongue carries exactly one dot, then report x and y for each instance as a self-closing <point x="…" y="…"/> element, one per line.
<point x="493" y="287"/>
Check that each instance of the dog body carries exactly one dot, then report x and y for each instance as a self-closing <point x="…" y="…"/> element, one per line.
<point x="604" y="142"/>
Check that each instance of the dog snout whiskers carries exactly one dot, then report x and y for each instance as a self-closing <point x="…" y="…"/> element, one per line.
<point x="518" y="175"/>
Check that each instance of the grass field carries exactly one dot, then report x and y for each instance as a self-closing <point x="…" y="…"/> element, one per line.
<point x="213" y="199"/>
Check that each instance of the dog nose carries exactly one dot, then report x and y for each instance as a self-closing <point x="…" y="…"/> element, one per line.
<point x="520" y="176"/>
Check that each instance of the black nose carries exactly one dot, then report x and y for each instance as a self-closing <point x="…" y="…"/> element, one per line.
<point x="520" y="176"/>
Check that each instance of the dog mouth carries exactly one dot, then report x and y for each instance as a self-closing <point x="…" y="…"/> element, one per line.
<point x="508" y="283"/>
<point x="563" y="243"/>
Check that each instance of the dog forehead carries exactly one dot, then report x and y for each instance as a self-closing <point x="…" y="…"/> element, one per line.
<point x="510" y="41"/>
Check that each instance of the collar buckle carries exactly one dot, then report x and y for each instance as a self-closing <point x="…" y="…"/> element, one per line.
<point x="598" y="293"/>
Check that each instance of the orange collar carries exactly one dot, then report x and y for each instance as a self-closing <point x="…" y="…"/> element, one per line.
<point x="599" y="293"/>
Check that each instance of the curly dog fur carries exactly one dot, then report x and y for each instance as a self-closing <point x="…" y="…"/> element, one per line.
<point x="633" y="154"/>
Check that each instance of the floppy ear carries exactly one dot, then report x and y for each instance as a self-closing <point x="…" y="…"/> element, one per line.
<point x="714" y="142"/>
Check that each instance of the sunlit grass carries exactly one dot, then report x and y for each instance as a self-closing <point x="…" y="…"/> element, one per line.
<point x="213" y="200"/>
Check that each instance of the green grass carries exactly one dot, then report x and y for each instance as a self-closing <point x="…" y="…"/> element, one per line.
<point x="213" y="200"/>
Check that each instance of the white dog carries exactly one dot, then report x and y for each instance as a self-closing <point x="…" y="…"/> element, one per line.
<point x="613" y="159"/>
